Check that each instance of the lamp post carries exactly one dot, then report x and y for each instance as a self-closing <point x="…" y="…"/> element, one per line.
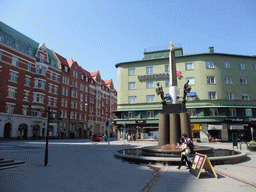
<point x="47" y="136"/>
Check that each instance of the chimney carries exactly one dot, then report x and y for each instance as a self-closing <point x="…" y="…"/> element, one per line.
<point x="211" y="49"/>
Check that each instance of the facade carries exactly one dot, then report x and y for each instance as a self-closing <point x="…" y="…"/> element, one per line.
<point x="221" y="102"/>
<point x="34" y="78"/>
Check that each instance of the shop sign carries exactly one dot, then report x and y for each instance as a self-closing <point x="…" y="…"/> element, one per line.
<point x="235" y="119"/>
<point x="252" y="119"/>
<point x="140" y="121"/>
<point x="153" y="76"/>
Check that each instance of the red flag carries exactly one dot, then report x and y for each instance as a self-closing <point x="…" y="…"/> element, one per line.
<point x="178" y="73"/>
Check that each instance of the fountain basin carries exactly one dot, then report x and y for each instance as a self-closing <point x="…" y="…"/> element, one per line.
<point x="216" y="156"/>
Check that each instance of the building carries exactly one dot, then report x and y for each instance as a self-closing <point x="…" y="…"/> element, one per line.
<point x="221" y="102"/>
<point x="34" y="78"/>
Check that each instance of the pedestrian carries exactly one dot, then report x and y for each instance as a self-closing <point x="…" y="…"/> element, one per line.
<point x="129" y="138"/>
<point x="105" y="137"/>
<point x="184" y="152"/>
<point x="190" y="145"/>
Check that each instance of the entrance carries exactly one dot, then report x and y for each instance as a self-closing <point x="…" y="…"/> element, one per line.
<point x="7" y="130"/>
<point x="23" y="131"/>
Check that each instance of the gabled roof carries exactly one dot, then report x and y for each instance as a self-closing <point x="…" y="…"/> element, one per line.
<point x="94" y="74"/>
<point x="70" y="62"/>
<point x="86" y="73"/>
<point x="62" y="59"/>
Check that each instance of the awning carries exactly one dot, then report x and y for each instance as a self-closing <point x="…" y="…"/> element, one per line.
<point x="215" y="127"/>
<point x="191" y="94"/>
<point x="236" y="127"/>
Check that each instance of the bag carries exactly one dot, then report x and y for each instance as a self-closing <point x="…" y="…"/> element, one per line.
<point x="187" y="151"/>
<point x="191" y="147"/>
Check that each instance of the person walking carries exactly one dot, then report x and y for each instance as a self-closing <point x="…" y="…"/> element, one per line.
<point x="184" y="152"/>
<point x="105" y="137"/>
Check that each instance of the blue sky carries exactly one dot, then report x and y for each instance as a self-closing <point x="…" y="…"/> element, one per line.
<point x="101" y="33"/>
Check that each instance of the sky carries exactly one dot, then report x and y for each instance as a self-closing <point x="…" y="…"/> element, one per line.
<point x="98" y="34"/>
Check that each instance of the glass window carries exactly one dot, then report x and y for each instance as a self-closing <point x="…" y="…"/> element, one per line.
<point x="150" y="84"/>
<point x="55" y="89"/>
<point x="132" y="71"/>
<point x="51" y="75"/>
<point x="226" y="65"/>
<point x="29" y="67"/>
<point x="26" y="95"/>
<point x="214" y="112"/>
<point x="13" y="76"/>
<point x="50" y="88"/>
<point x="192" y="112"/>
<point x="150" y="114"/>
<point x="37" y="69"/>
<point x="191" y="80"/>
<point x="209" y="65"/>
<point x="150" y="98"/>
<point x="42" y="84"/>
<point x="167" y="83"/>
<point x="27" y="81"/>
<point x="15" y="61"/>
<point x="132" y="99"/>
<point x="212" y="95"/>
<point x="248" y="112"/>
<point x="254" y="66"/>
<point x="36" y="83"/>
<point x="230" y="96"/>
<point x="241" y="66"/>
<point x="43" y="72"/>
<point x="189" y="66"/>
<point x="66" y="69"/>
<point x="0" y="55"/>
<point x="245" y="96"/>
<point x="10" y="108"/>
<point x="210" y="80"/>
<point x="11" y="92"/>
<point x="24" y="110"/>
<point x="149" y="69"/>
<point x="243" y="81"/>
<point x="232" y="112"/>
<point x="166" y="68"/>
<point x="131" y="115"/>
<point x="228" y="80"/>
<point x="131" y="85"/>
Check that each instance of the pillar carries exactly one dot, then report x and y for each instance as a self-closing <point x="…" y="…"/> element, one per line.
<point x="174" y="123"/>
<point x="185" y="124"/>
<point x="163" y="129"/>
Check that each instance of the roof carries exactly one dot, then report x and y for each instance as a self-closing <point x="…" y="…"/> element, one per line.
<point x="12" y="36"/>
<point x="70" y="62"/>
<point x="62" y="59"/>
<point x="93" y="74"/>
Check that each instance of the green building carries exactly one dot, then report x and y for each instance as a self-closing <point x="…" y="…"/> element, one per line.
<point x="222" y="100"/>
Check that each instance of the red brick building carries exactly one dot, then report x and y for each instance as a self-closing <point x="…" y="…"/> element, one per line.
<point x="34" y="78"/>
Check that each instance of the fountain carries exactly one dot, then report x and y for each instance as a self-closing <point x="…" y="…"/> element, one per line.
<point x="173" y="121"/>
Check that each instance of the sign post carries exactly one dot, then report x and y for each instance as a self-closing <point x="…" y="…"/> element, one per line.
<point x="201" y="161"/>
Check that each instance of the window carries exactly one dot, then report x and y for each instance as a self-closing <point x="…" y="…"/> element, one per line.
<point x="209" y="65"/>
<point x="86" y="88"/>
<point x="74" y="74"/>
<point x="37" y="69"/>
<point x="232" y="112"/>
<point x="51" y="75"/>
<point x="50" y="101"/>
<point x="56" y="77"/>
<point x="226" y="65"/>
<point x="230" y="96"/>
<point x="132" y="99"/>
<point x="36" y="83"/>
<point x="150" y="98"/>
<point x="27" y="81"/>
<point x="245" y="96"/>
<point x="85" y="98"/>
<point x="29" y="67"/>
<point x="243" y="81"/>
<point x="103" y="103"/>
<point x="0" y="55"/>
<point x="210" y="80"/>
<point x="81" y="97"/>
<point x="11" y="92"/>
<point x="191" y="80"/>
<point x="149" y="69"/>
<point x="192" y="112"/>
<point x="248" y="112"/>
<point x="150" y="114"/>
<point x="26" y="95"/>
<point x="55" y="90"/>
<point x="24" y="110"/>
<point x="131" y="115"/>
<point x="13" y="76"/>
<point x="132" y="71"/>
<point x="150" y="84"/>
<point x="38" y="98"/>
<point x="66" y="91"/>
<point x="50" y="88"/>
<point x="212" y="95"/>
<point x="167" y="83"/>
<point x="15" y="61"/>
<point x="54" y="102"/>
<point x="254" y="66"/>
<point x="166" y="68"/>
<point x="81" y="87"/>
<point x="10" y="108"/>
<point x="214" y="112"/>
<point x="189" y="66"/>
<point x="66" y="69"/>
<point x="131" y="85"/>
<point x="43" y="72"/>
<point x="62" y="102"/>
<point x="81" y="106"/>
<point x="242" y="66"/>
<point x="228" y="80"/>
<point x="41" y="59"/>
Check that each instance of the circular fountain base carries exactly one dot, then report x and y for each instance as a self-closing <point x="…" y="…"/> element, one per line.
<point x="167" y="155"/>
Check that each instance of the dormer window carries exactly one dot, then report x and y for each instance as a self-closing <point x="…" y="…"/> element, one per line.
<point x="82" y="77"/>
<point x="66" y="69"/>
<point x="41" y="59"/>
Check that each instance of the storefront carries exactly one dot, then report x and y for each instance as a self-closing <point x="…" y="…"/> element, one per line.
<point x="215" y="131"/>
